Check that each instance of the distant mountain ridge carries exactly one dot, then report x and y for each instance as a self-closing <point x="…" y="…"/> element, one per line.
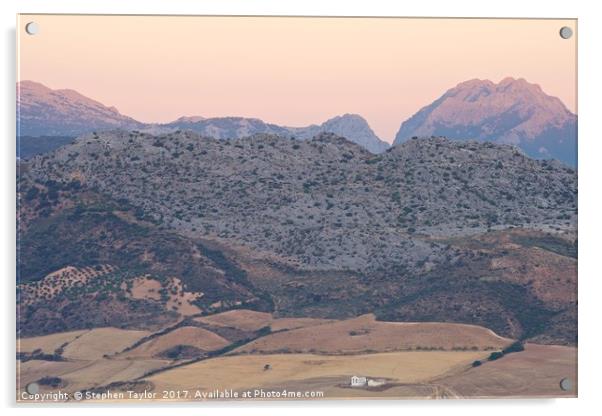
<point x="46" y="112"/>
<point x="42" y="111"/>
<point x="513" y="111"/>
<point x="348" y="125"/>
<point x="352" y="126"/>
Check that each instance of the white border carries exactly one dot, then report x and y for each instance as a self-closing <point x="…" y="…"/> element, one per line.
<point x="590" y="154"/>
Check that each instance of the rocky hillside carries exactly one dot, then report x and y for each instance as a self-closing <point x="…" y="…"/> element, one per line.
<point x="513" y="112"/>
<point x="307" y="198"/>
<point x="28" y="146"/>
<point x="328" y="229"/>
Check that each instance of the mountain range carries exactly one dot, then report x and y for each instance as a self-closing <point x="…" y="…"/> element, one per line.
<point x="511" y="112"/>
<point x="47" y="112"/>
<point x="42" y="111"/>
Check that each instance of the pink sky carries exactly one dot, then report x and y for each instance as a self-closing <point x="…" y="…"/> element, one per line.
<point x="289" y="71"/>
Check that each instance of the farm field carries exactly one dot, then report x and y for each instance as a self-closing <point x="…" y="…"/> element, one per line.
<point x="366" y="334"/>
<point x="411" y="360"/>
<point x="407" y="374"/>
<point x="84" y="375"/>
<point x="47" y="343"/>
<point x="248" y="320"/>
<point x="80" y="359"/>
<point x="535" y="372"/>
<point x="198" y="338"/>
<point x="312" y="371"/>
<point x="83" y="344"/>
<point x="98" y="342"/>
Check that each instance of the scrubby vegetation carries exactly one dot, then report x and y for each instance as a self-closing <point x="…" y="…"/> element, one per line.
<point x="413" y="234"/>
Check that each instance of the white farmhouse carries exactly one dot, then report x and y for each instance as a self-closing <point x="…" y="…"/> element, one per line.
<point x="375" y="382"/>
<point x="357" y="381"/>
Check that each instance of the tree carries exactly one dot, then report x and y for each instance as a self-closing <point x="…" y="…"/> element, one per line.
<point x="496" y="355"/>
<point x="514" y="347"/>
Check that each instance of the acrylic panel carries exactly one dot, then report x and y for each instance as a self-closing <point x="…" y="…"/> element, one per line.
<point x="295" y="208"/>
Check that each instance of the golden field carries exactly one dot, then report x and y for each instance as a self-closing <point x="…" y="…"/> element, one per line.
<point x="305" y="371"/>
<point x="365" y="334"/>
<point x="413" y="360"/>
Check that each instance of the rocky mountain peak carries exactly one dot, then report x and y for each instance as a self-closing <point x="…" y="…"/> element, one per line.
<point x="63" y="112"/>
<point x="512" y="111"/>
